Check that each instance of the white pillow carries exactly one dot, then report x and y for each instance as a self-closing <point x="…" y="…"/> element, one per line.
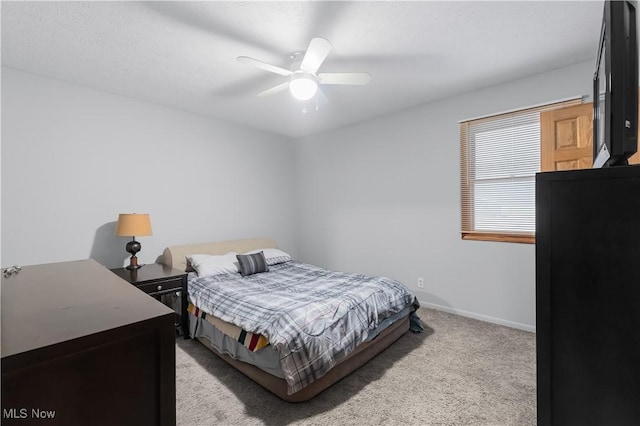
<point x="206" y="264"/>
<point x="272" y="255"/>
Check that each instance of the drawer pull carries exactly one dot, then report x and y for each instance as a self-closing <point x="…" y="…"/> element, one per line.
<point x="159" y="287"/>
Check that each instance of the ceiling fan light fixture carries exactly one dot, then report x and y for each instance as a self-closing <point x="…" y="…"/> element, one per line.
<point x="303" y="86"/>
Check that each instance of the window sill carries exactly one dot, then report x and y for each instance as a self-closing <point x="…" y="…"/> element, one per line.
<point x="503" y="238"/>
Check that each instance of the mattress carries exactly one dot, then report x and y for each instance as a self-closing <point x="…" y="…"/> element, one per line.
<point x="267" y="359"/>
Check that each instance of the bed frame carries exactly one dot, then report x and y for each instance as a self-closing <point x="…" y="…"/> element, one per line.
<point x="174" y="256"/>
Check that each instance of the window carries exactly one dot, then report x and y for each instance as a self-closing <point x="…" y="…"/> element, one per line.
<point x="499" y="158"/>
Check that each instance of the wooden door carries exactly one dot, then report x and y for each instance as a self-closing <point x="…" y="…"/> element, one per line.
<point x="566" y="138"/>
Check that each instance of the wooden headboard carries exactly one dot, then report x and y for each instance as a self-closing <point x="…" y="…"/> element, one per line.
<point x="174" y="256"/>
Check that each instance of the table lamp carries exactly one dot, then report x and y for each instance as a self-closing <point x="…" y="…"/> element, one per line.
<point x="131" y="225"/>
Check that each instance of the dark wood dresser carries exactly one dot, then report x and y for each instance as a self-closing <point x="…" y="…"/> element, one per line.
<point x="588" y="297"/>
<point x="81" y="346"/>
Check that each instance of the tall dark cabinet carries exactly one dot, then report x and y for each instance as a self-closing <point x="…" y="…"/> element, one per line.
<point x="588" y="296"/>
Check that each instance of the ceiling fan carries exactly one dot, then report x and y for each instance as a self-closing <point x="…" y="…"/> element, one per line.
<point x="303" y="82"/>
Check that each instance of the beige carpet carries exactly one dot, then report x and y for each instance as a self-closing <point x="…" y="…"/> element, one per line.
<point x="459" y="372"/>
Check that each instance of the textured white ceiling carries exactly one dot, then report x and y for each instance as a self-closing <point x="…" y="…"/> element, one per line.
<point x="183" y="54"/>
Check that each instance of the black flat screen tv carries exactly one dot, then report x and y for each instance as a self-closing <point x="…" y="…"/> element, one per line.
<point x="615" y="87"/>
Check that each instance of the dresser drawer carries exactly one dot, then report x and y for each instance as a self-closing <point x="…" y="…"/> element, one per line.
<point x="163" y="286"/>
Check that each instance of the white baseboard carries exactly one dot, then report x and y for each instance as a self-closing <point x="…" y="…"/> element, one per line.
<point x="480" y="317"/>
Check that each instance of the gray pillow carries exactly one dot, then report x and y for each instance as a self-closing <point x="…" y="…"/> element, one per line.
<point x="252" y="263"/>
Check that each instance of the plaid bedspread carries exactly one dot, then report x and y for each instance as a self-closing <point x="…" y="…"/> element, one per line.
<point x="312" y="316"/>
<point x="252" y="341"/>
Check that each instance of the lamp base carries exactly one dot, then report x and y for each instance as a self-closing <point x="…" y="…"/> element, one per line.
<point x="133" y="247"/>
<point x="133" y="263"/>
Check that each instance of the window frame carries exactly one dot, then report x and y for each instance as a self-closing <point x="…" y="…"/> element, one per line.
<point x="467" y="170"/>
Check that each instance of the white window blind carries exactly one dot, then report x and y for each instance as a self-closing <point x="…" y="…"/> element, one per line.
<point x="500" y="156"/>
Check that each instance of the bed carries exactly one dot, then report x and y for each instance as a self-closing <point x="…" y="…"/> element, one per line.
<point x="292" y="348"/>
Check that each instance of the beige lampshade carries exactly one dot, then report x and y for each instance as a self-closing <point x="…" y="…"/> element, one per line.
<point x="133" y="225"/>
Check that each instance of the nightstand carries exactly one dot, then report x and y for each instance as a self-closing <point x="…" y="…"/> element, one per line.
<point x="156" y="280"/>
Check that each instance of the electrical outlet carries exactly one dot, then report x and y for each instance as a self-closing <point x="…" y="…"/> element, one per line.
<point x="420" y="282"/>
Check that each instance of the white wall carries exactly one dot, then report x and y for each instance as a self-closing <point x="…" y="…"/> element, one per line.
<point x="73" y="158"/>
<point x="383" y="198"/>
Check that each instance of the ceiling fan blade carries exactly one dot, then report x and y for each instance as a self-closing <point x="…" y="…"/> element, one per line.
<point x="264" y="66"/>
<point x="274" y="90"/>
<point x="344" y="78"/>
<point x="316" y="53"/>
